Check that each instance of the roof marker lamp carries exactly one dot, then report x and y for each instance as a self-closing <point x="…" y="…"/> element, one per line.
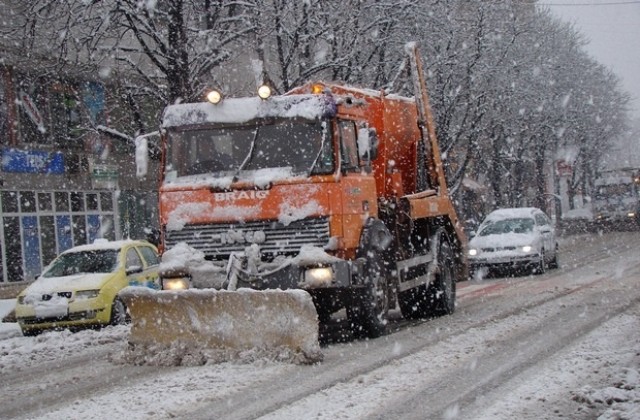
<point x="214" y="97"/>
<point x="264" y="92"/>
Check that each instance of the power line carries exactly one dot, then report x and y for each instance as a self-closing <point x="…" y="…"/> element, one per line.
<point x="613" y="3"/>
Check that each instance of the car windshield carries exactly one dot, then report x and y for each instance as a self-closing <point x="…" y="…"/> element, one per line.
<point x="303" y="146"/>
<point x="496" y="227"/>
<point x="95" y="261"/>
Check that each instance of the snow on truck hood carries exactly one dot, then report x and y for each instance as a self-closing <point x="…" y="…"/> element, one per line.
<point x="81" y="281"/>
<point x="240" y="110"/>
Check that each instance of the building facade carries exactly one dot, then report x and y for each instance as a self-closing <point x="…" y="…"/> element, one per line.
<point x="64" y="181"/>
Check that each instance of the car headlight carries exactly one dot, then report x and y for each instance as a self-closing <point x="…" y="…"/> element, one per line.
<point x="87" y="294"/>
<point x="318" y="276"/>
<point x="631" y="214"/>
<point x="175" y="283"/>
<point x="527" y="248"/>
<point x="473" y="252"/>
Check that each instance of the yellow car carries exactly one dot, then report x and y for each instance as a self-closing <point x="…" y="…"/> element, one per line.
<point x="80" y="287"/>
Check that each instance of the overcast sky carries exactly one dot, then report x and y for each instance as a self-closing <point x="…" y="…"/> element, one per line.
<point x="613" y="27"/>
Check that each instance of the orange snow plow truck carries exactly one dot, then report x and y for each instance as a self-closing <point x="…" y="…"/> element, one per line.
<point x="326" y="198"/>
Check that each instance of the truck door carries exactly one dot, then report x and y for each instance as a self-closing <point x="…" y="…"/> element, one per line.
<point x="359" y="196"/>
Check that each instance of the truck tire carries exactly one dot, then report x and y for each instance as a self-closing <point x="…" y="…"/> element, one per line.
<point x="368" y="313"/>
<point x="438" y="298"/>
<point x="442" y="292"/>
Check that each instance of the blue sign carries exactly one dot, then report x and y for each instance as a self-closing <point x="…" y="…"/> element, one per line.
<point x="32" y="161"/>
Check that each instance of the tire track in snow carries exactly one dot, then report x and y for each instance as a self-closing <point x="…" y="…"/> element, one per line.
<point x="259" y="401"/>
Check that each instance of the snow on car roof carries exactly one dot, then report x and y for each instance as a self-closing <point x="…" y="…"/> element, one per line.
<point x="240" y="110"/>
<point x="512" y="213"/>
<point x="100" y="244"/>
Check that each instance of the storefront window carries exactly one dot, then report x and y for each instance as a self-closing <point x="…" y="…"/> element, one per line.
<point x="44" y="202"/>
<point x="27" y="201"/>
<point x="62" y="201"/>
<point x="9" y="202"/>
<point x="77" y="201"/>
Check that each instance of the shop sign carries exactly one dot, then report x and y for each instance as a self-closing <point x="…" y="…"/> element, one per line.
<point x="564" y="168"/>
<point x="31" y="110"/>
<point x="104" y="176"/>
<point x="32" y="161"/>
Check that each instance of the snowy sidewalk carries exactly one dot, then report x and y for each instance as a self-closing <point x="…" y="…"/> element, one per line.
<point x="8" y="329"/>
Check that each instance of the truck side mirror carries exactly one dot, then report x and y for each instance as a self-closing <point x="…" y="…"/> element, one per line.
<point x="142" y="154"/>
<point x="367" y="143"/>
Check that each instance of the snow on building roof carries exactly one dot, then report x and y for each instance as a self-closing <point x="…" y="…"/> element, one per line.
<point x="240" y="110"/>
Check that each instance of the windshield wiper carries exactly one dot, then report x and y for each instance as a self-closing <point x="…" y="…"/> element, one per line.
<point x="249" y="156"/>
<point x="315" y="161"/>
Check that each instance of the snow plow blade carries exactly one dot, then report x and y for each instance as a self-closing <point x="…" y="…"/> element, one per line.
<point x="198" y="326"/>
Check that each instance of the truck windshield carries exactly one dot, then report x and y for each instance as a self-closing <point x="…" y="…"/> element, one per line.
<point x="300" y="146"/>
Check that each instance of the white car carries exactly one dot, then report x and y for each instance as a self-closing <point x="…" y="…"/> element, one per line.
<point x="514" y="239"/>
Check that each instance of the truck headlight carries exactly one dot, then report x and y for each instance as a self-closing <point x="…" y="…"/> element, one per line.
<point x="473" y="252"/>
<point x="214" y="97"/>
<point x="175" y="283"/>
<point x="264" y="92"/>
<point x="527" y="248"/>
<point x="631" y="214"/>
<point x="319" y="276"/>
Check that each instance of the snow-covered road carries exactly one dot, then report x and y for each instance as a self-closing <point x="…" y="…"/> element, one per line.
<point x="565" y="344"/>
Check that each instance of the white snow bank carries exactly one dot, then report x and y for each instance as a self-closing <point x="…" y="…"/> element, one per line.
<point x="621" y="400"/>
<point x="8" y="329"/>
<point x="19" y="351"/>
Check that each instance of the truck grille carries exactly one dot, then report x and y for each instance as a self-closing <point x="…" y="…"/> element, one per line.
<point x="274" y="238"/>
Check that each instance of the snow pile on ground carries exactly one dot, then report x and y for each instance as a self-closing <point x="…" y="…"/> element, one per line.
<point x="55" y="345"/>
<point x="619" y="401"/>
<point x="8" y="329"/>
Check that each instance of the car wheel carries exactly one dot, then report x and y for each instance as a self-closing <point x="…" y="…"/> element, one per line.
<point x="540" y="266"/>
<point x="118" y="313"/>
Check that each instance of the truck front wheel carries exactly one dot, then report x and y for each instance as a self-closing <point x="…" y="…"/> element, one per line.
<point x="368" y="313"/>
